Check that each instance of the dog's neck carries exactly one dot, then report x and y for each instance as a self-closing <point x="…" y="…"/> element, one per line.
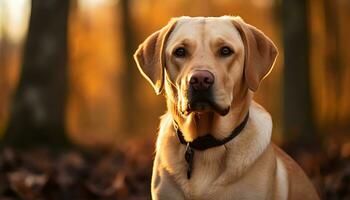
<point x="224" y="125"/>
<point x="196" y="125"/>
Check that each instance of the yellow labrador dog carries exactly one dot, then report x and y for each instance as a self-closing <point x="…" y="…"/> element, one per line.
<point x="214" y="141"/>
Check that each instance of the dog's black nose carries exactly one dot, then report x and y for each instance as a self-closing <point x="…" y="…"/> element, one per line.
<point x="201" y="80"/>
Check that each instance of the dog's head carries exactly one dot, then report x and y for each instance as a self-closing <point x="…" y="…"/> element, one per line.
<point x="205" y="63"/>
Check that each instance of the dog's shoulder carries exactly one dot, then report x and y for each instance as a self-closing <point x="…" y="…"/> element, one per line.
<point x="299" y="184"/>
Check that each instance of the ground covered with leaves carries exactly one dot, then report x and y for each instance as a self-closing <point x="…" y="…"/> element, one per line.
<point x="72" y="175"/>
<point x="126" y="173"/>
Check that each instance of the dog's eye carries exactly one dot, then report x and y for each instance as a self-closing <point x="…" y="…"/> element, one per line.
<point x="180" y="52"/>
<point x="225" y="51"/>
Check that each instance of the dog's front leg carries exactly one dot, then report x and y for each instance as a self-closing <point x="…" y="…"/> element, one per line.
<point x="163" y="186"/>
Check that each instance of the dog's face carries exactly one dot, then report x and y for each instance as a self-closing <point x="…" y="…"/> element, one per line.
<point x="205" y="62"/>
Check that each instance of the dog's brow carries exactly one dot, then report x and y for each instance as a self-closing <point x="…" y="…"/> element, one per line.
<point x="185" y="42"/>
<point x="220" y="41"/>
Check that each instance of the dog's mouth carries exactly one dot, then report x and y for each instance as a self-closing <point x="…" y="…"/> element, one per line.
<point x="201" y="107"/>
<point x="203" y="102"/>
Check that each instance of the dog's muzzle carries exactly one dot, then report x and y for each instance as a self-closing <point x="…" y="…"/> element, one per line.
<point x="200" y="93"/>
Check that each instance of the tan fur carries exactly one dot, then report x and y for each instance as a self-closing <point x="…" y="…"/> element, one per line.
<point x="249" y="166"/>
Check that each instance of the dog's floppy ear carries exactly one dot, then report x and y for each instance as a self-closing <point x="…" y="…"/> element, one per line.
<point x="260" y="53"/>
<point x="150" y="56"/>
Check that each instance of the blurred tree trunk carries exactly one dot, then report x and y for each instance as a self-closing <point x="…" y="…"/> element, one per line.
<point x="298" y="111"/>
<point x="333" y="57"/>
<point x="38" y="108"/>
<point x="4" y="48"/>
<point x="128" y="81"/>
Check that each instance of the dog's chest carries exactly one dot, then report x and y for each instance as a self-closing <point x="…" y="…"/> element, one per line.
<point x="206" y="187"/>
<point x="206" y="170"/>
<point x="213" y="179"/>
<point x="200" y="186"/>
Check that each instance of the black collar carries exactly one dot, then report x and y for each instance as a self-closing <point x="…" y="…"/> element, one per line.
<point x="205" y="142"/>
